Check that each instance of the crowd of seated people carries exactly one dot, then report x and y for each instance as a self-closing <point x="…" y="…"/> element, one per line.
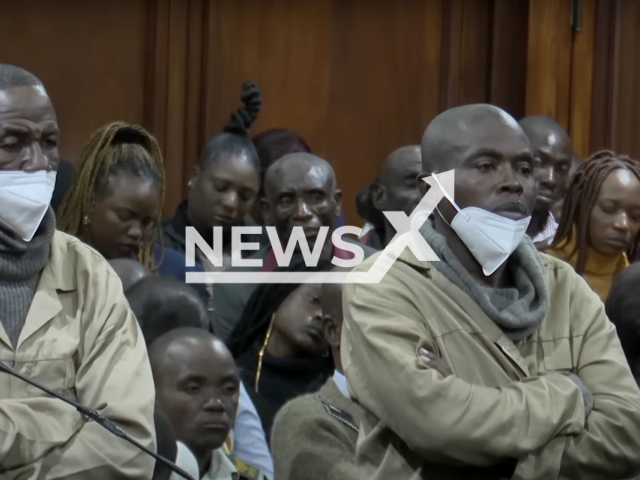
<point x="515" y="355"/>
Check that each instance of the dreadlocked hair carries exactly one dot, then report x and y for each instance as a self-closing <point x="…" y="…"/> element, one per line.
<point x="263" y="303"/>
<point x="234" y="138"/>
<point x="114" y="149"/>
<point x="581" y="198"/>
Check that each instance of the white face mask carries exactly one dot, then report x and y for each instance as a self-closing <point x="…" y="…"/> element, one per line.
<point x="24" y="200"/>
<point x="491" y="238"/>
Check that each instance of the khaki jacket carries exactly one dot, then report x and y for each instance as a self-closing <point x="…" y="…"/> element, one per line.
<point x="503" y="401"/>
<point x="81" y="340"/>
<point x="314" y="437"/>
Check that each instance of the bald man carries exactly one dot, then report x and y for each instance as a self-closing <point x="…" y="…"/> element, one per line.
<point x="198" y="388"/>
<point x="396" y="189"/>
<point x="130" y="271"/>
<point x="540" y="386"/>
<point x="552" y="152"/>
<point x="300" y="191"/>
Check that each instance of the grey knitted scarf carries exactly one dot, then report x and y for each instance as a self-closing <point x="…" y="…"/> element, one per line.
<point x="21" y="264"/>
<point x="518" y="310"/>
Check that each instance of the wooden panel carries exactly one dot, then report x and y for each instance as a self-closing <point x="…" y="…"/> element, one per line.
<point x="356" y="78"/>
<point x="582" y="80"/>
<point x="466" y="50"/>
<point x="549" y="59"/>
<point x="508" y="62"/>
<point x="90" y="55"/>
<point x="616" y="100"/>
<point x="604" y="75"/>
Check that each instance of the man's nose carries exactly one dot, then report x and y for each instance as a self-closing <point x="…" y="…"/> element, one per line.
<point x="35" y="159"/>
<point x="546" y="177"/>
<point x="230" y="200"/>
<point x="510" y="182"/>
<point x="214" y="404"/>
<point x="302" y="210"/>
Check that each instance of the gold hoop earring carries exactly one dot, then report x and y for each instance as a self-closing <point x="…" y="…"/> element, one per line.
<point x="262" y="350"/>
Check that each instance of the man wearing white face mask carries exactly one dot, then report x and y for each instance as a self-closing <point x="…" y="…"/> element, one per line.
<point x="64" y="320"/>
<point x="540" y="386"/>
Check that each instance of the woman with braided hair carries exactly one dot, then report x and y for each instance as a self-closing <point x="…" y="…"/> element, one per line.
<point x="116" y="200"/>
<point x="224" y="183"/>
<point x="115" y="204"/>
<point x="600" y="219"/>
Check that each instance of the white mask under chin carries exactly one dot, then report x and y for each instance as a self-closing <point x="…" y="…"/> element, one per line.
<point x="491" y="238"/>
<point x="24" y="200"/>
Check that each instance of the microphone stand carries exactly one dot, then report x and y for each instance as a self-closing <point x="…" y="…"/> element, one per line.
<point x="98" y="418"/>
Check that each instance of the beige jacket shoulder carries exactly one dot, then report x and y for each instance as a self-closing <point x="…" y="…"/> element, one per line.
<point x="81" y="340"/>
<point x="503" y="401"/>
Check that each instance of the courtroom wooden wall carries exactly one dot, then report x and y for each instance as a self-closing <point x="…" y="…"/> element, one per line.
<point x="356" y="78"/>
<point x="616" y="114"/>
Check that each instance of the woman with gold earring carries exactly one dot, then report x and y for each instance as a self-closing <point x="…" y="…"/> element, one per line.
<point x="279" y="345"/>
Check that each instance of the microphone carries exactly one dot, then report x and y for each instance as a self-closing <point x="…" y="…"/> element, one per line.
<point x="98" y="418"/>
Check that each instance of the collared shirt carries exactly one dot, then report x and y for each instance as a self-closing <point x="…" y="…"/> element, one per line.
<point x="81" y="340"/>
<point x="187" y="461"/>
<point x="548" y="233"/>
<point x="341" y="382"/>
<point x="248" y="441"/>
<point x="221" y="468"/>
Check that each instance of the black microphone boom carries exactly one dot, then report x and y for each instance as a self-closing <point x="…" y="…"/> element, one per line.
<point x="98" y="418"/>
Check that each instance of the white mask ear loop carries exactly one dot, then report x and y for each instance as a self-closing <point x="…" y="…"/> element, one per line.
<point x="446" y="195"/>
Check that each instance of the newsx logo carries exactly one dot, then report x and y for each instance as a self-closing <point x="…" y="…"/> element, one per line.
<point x="407" y="236"/>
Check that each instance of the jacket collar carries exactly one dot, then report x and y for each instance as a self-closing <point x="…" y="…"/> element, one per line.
<point x="175" y="227"/>
<point x="57" y="278"/>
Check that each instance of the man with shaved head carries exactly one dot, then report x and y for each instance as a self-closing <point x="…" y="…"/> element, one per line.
<point x="130" y="271"/>
<point x="300" y="191"/>
<point x="540" y="386"/>
<point x="396" y="189"/>
<point x="552" y="153"/>
<point x="198" y="389"/>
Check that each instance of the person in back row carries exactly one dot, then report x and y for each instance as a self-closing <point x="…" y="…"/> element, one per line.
<point x="272" y="145"/>
<point x="600" y="219"/>
<point x="314" y="436"/>
<point x="130" y="271"/>
<point x="623" y="309"/>
<point x="396" y="189"/>
<point x="300" y="191"/>
<point x="552" y="154"/>
<point x="223" y="185"/>
<point x="164" y="304"/>
<point x="63" y="319"/>
<point x="540" y="386"/>
<point x="198" y="389"/>
<point x="115" y="204"/>
<point x="278" y="343"/>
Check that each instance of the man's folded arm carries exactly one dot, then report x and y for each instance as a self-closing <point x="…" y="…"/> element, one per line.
<point x="30" y="428"/>
<point x="445" y="420"/>
<point x="609" y="445"/>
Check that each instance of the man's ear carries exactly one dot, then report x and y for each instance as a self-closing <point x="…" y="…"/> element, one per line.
<point x="193" y="176"/>
<point x="331" y="332"/>
<point x="337" y="197"/>
<point x="422" y="185"/>
<point x="378" y="196"/>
